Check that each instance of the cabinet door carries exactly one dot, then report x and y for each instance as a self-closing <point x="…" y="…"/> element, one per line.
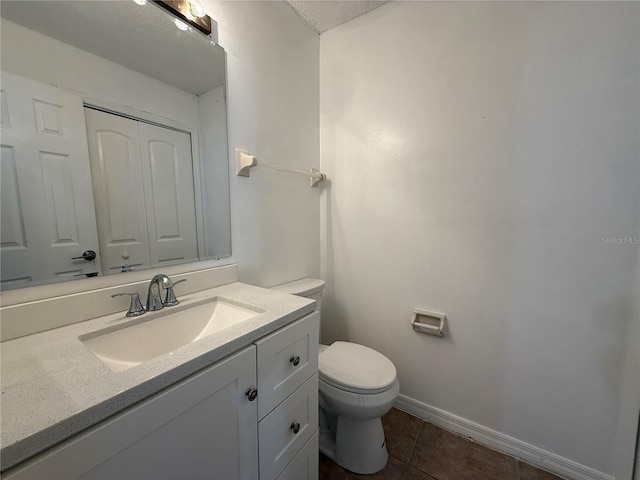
<point x="47" y="201"/>
<point x="116" y="171"/>
<point x="202" y="428"/>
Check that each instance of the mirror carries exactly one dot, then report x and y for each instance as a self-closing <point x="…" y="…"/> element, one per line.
<point x="114" y="141"/>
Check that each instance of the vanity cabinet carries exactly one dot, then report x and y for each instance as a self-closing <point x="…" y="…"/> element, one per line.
<point x="207" y="426"/>
<point x="203" y="424"/>
<point x="288" y="400"/>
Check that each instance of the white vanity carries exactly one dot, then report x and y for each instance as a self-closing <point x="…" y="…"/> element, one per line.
<point x="87" y="392"/>
<point x="235" y="403"/>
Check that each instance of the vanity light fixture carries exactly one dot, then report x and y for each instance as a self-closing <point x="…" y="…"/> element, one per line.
<point x="190" y="13"/>
<point x="196" y="9"/>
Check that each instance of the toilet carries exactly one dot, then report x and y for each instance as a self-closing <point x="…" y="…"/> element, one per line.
<point x="357" y="386"/>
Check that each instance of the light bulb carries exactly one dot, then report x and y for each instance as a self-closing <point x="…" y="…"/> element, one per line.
<point x="141" y="2"/>
<point x="181" y="25"/>
<point x="196" y="9"/>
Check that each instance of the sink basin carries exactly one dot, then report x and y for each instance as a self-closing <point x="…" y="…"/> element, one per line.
<point x="164" y="331"/>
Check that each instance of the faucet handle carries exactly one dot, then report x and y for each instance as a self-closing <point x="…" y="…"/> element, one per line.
<point x="135" y="308"/>
<point x="170" y="299"/>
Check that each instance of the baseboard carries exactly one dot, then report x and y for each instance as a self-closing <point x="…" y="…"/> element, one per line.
<point x="528" y="453"/>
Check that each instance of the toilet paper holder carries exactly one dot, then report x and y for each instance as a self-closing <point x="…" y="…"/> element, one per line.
<point x="429" y="322"/>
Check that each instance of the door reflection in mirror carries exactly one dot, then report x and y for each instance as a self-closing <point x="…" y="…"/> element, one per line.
<point x="47" y="204"/>
<point x="143" y="188"/>
<point x="49" y="188"/>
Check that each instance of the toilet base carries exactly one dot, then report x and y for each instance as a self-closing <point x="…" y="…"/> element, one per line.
<point x="356" y="445"/>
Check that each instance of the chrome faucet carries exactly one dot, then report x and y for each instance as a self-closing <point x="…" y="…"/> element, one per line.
<point x="154" y="298"/>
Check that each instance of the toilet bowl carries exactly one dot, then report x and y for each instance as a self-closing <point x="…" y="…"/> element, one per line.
<point x="357" y="386"/>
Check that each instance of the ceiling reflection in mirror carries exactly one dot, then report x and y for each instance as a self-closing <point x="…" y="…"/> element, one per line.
<point x="114" y="141"/>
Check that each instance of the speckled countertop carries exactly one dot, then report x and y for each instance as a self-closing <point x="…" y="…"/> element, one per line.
<point x="53" y="387"/>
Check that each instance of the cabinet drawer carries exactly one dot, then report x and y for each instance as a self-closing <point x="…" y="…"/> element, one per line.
<point x="286" y="359"/>
<point x="278" y="440"/>
<point x="305" y="466"/>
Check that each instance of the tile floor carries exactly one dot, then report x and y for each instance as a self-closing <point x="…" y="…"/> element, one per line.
<point x="421" y="451"/>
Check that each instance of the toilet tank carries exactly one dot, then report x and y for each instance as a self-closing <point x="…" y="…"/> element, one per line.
<point x="306" y="287"/>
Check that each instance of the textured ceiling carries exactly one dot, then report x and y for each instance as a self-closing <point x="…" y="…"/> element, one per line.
<point x="324" y="15"/>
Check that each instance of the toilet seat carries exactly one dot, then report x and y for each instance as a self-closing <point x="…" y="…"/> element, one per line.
<point x="356" y="368"/>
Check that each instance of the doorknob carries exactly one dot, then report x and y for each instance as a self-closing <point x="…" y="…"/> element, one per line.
<point x="88" y="255"/>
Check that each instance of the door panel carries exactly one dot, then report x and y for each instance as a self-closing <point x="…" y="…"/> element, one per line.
<point x="57" y="172"/>
<point x="47" y="203"/>
<point x="169" y="194"/>
<point x="118" y="187"/>
<point x="12" y="232"/>
<point x="164" y="179"/>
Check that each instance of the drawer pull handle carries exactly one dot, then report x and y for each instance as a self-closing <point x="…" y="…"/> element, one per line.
<point x="252" y="393"/>
<point x="295" y="427"/>
<point x="295" y="360"/>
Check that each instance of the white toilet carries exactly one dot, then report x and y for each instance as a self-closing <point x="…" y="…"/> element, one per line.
<point x="357" y="386"/>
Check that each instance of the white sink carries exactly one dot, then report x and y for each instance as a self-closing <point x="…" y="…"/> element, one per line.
<point x="164" y="331"/>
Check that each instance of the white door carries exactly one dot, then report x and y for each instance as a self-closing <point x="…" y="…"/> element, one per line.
<point x="47" y="203"/>
<point x="118" y="187"/>
<point x="169" y="194"/>
<point x="143" y="186"/>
